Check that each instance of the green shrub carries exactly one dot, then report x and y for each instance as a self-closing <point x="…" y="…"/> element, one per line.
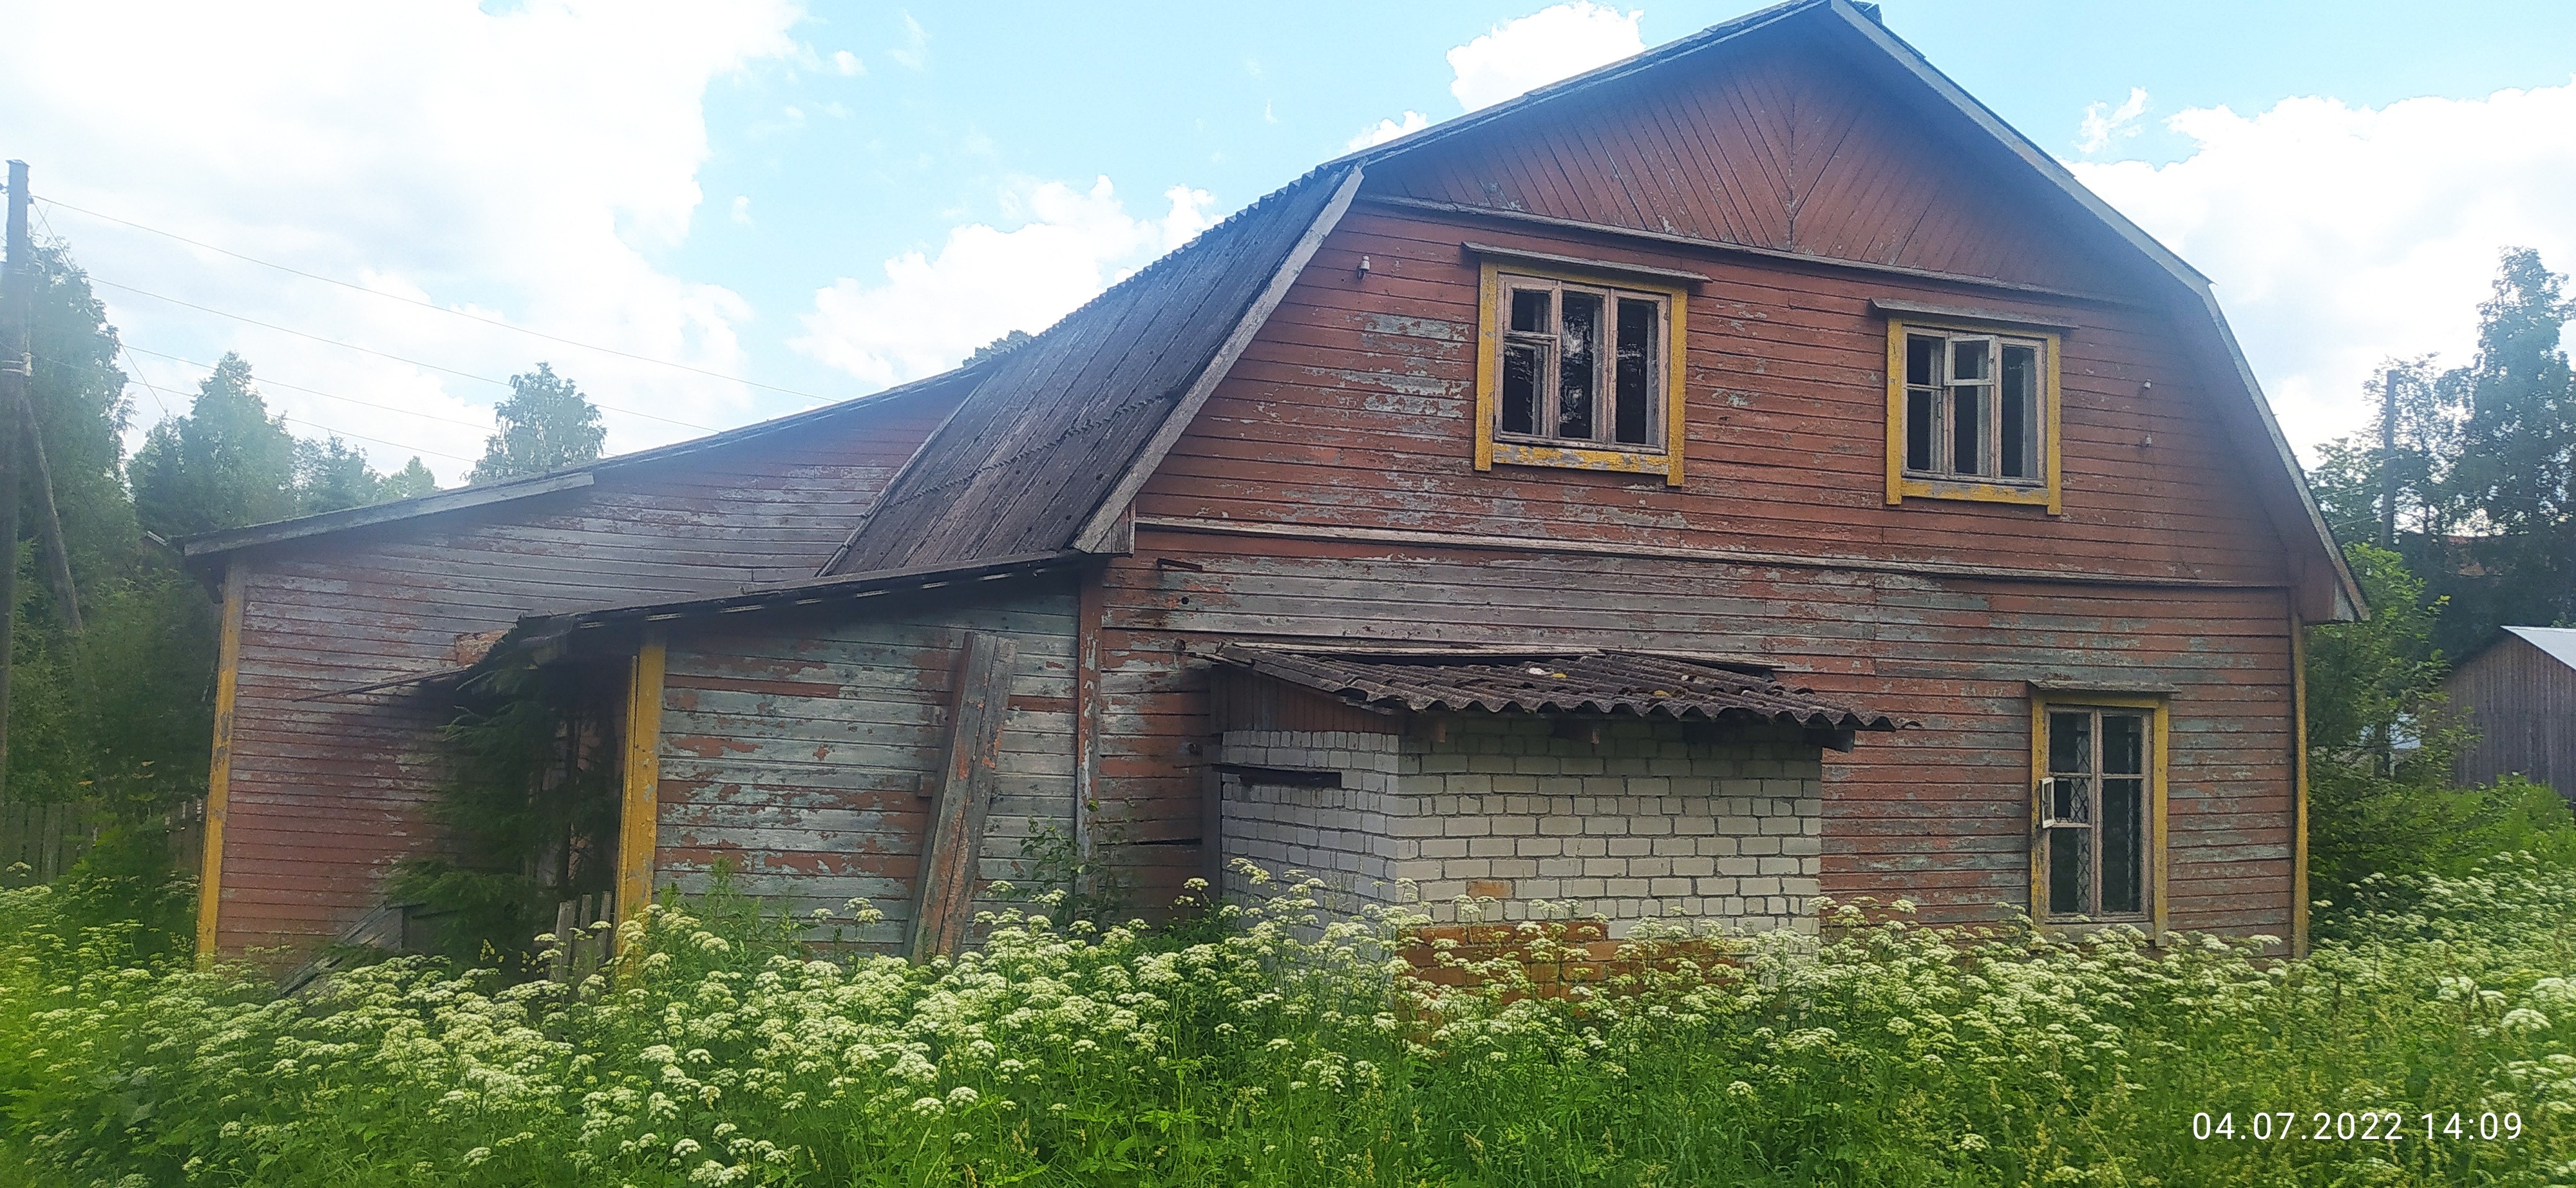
<point x="1293" y="1051"/>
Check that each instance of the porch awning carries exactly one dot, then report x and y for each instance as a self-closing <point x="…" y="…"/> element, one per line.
<point x="1611" y="681"/>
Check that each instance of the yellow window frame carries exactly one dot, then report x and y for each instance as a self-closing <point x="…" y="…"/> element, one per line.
<point x="2159" y="711"/>
<point x="1902" y="486"/>
<point x="1489" y="370"/>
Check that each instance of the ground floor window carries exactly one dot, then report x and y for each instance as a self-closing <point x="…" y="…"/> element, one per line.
<point x="2098" y="853"/>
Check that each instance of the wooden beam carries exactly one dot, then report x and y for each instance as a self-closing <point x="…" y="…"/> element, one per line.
<point x="219" y="771"/>
<point x="1603" y="548"/>
<point x="639" y="809"/>
<point x="1090" y="611"/>
<point x="952" y="851"/>
<point x="2298" y="783"/>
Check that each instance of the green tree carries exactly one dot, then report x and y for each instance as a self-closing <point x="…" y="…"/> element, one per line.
<point x="2515" y="480"/>
<point x="225" y="464"/>
<point x="1000" y="346"/>
<point x="546" y="424"/>
<point x="119" y="714"/>
<point x="330" y="474"/>
<point x="411" y="482"/>
<point x="2381" y="743"/>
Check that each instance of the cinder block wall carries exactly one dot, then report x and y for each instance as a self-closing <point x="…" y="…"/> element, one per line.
<point x="1646" y="823"/>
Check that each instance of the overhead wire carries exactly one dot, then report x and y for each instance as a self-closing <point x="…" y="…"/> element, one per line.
<point x="477" y="426"/>
<point x="430" y="305"/>
<point x="98" y="280"/>
<point x="135" y="369"/>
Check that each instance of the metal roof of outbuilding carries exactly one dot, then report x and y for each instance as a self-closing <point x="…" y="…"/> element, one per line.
<point x="1570" y="680"/>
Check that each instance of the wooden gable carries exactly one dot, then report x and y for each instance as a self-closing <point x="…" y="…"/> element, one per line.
<point x="1783" y="144"/>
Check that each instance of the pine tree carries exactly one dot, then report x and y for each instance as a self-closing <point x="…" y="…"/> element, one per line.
<point x="331" y="474"/>
<point x="546" y="424"/>
<point x="225" y="464"/>
<point x="411" y="482"/>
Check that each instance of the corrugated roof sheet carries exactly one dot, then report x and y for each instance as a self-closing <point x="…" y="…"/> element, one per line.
<point x="1569" y="681"/>
<point x="1056" y="424"/>
<point x="2559" y="642"/>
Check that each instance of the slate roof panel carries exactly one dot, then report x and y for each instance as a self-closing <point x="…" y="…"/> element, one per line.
<point x="1548" y="681"/>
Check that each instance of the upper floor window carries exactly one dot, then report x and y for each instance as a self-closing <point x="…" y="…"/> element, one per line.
<point x="1972" y="414"/>
<point x="1579" y="370"/>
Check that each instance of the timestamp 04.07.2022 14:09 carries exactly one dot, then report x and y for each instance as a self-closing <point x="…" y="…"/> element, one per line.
<point x="2371" y="1126"/>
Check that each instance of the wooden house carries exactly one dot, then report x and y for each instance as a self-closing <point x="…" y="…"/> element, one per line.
<point x="2520" y="694"/>
<point x="1746" y="471"/>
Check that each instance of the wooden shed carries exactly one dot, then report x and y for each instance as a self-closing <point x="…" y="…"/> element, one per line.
<point x="2520" y="694"/>
<point x="1746" y="471"/>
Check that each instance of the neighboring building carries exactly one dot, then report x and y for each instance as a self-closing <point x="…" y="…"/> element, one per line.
<point x="1567" y="502"/>
<point x="2520" y="694"/>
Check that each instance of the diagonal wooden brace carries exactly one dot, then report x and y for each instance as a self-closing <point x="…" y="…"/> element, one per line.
<point x="943" y="900"/>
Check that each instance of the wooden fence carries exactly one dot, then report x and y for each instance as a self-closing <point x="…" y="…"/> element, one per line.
<point x="40" y="840"/>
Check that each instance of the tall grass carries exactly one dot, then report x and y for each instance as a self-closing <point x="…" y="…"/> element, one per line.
<point x="1289" y="1051"/>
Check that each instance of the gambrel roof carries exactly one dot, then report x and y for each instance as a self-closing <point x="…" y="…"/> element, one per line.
<point x="1046" y="452"/>
<point x="1052" y="441"/>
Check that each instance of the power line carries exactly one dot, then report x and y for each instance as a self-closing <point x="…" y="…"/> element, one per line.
<point x="135" y="372"/>
<point x="331" y="280"/>
<point x="363" y="437"/>
<point x="264" y="382"/>
<point x="57" y="237"/>
<point x="95" y="279"/>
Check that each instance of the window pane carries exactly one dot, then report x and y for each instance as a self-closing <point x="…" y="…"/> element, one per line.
<point x="1635" y="367"/>
<point x="2124" y="744"/>
<point x="1918" y="428"/>
<point x="2123" y="842"/>
<point x="1577" y="356"/>
<point x="2070" y="742"/>
<point x="1922" y="360"/>
<point x="2070" y="872"/>
<point x="1520" y="389"/>
<point x="1529" y="311"/>
<point x="1967" y="429"/>
<point x="2017" y="410"/>
<point x="2070" y="798"/>
<point x="1968" y="360"/>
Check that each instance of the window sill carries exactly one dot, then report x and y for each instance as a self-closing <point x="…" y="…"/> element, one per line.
<point x="1510" y="453"/>
<point x="1919" y="487"/>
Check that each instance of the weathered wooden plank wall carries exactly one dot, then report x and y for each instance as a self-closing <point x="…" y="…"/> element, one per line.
<point x="326" y="794"/>
<point x="802" y="750"/>
<point x="1779" y="146"/>
<point x="2523" y="702"/>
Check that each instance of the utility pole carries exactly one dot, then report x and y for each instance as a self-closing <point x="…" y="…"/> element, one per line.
<point x="2388" y="461"/>
<point x="17" y="366"/>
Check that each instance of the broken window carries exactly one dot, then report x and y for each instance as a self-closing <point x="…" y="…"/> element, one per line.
<point x="2096" y="819"/>
<point x="1975" y="407"/>
<point x="1582" y="366"/>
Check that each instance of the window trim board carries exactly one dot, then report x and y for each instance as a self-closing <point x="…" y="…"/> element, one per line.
<point x="1489" y="338"/>
<point x="2159" y="710"/>
<point x="2048" y="493"/>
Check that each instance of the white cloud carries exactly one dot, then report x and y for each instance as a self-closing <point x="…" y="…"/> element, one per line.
<point x="930" y="312"/>
<point x="2102" y="124"/>
<point x="742" y="208"/>
<point x="1538" y="49"/>
<point x="1387" y="130"/>
<point x="915" y="52"/>
<point x="530" y="165"/>
<point x="2339" y="236"/>
<point x="848" y="63"/>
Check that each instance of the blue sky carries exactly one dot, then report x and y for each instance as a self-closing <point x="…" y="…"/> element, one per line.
<point x="725" y="185"/>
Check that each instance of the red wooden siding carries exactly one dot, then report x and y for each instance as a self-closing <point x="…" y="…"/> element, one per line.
<point x="1350" y="413"/>
<point x="1939" y="814"/>
<point x="326" y="794"/>
<point x="1775" y="146"/>
<point x="803" y="752"/>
